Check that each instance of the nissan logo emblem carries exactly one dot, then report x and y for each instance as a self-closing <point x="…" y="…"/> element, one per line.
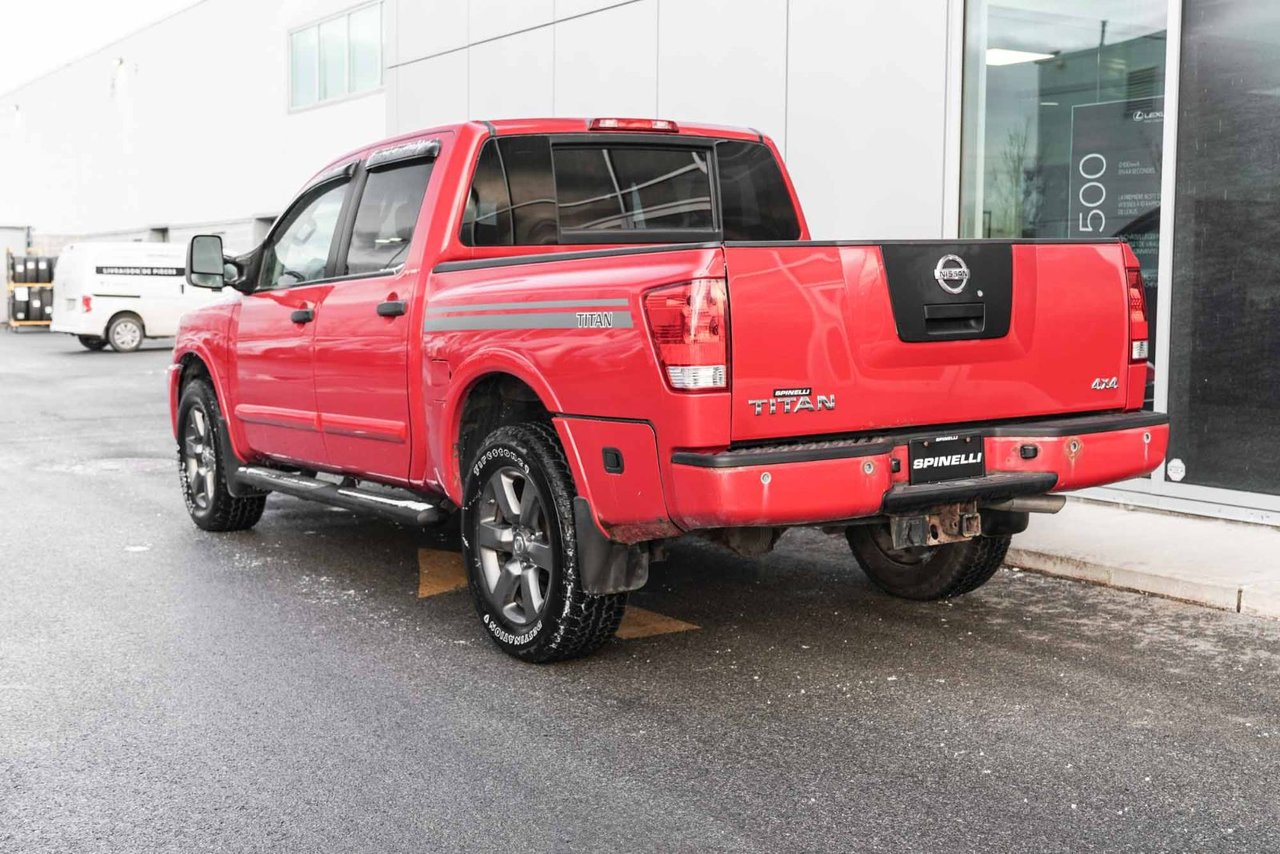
<point x="952" y="274"/>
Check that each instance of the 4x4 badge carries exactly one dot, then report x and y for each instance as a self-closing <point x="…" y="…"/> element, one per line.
<point x="951" y="273"/>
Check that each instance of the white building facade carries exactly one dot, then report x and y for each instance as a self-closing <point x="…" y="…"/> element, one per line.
<point x="1150" y="119"/>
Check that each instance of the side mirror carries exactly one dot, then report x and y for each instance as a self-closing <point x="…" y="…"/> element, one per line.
<point x="205" y="265"/>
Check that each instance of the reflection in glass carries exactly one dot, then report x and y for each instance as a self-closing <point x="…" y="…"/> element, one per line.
<point x="628" y="188"/>
<point x="1063" y="123"/>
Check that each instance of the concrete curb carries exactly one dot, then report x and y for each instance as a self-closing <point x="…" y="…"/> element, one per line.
<point x="1262" y="600"/>
<point x="1223" y="597"/>
<point x="1225" y="565"/>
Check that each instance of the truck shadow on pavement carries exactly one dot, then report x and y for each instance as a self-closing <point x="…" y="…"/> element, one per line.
<point x="808" y="595"/>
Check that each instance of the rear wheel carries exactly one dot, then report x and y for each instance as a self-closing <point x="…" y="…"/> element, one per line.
<point x="521" y="551"/>
<point x="201" y="469"/>
<point x="925" y="572"/>
<point x="92" y="342"/>
<point x="125" y="333"/>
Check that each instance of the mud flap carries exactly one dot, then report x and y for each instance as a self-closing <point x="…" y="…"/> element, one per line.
<point x="606" y="566"/>
<point x="237" y="487"/>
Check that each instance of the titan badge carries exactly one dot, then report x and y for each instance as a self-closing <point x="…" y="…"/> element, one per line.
<point x="792" y="400"/>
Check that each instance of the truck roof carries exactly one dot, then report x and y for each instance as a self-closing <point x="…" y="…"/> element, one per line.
<point x="583" y="125"/>
<point x="513" y="127"/>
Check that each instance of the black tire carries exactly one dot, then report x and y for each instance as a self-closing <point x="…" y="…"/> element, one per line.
<point x="125" y="333"/>
<point x="92" y="342"/>
<point x="517" y="540"/>
<point x="928" y="572"/>
<point x="202" y="472"/>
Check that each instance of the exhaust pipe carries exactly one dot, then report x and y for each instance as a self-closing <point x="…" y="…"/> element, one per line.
<point x="1030" y="504"/>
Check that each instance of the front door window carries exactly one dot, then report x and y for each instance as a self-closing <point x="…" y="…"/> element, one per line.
<point x="299" y="251"/>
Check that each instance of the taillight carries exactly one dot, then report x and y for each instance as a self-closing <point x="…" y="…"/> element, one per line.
<point x="651" y="125"/>
<point x="1138" y="329"/>
<point x="690" y="327"/>
<point x="86" y="303"/>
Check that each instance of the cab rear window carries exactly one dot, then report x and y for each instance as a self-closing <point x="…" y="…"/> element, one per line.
<point x="629" y="188"/>
<point x="531" y="190"/>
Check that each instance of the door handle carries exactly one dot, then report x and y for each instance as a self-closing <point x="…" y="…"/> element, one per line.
<point x="303" y="315"/>
<point x="392" y="308"/>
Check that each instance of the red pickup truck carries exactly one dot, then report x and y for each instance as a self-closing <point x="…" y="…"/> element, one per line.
<point x="584" y="338"/>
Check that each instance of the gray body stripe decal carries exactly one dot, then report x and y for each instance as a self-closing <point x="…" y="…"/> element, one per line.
<point x="531" y="320"/>
<point x="459" y="308"/>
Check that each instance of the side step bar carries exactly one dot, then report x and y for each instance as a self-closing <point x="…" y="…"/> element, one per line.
<point x="408" y="510"/>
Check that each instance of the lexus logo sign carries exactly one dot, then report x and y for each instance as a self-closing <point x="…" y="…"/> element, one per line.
<point x="952" y="274"/>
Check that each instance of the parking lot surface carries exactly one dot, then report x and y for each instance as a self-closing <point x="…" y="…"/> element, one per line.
<point x="162" y="688"/>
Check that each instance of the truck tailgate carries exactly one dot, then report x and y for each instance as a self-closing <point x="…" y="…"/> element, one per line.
<point x="838" y="338"/>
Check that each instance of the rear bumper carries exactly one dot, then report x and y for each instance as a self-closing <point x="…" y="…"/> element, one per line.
<point x="831" y="481"/>
<point x="74" y="323"/>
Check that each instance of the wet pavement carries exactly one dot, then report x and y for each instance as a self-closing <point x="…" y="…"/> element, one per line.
<point x="162" y="688"/>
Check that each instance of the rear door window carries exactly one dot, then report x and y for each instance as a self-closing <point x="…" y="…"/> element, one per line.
<point x="386" y="217"/>
<point x="632" y="188"/>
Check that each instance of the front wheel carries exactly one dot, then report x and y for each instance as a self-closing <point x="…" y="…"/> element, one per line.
<point x="521" y="551"/>
<point x="201" y="468"/>
<point x="925" y="572"/>
<point x="92" y="342"/>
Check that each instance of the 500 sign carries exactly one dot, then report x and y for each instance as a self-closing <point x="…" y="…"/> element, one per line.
<point x="1092" y="168"/>
<point x="1115" y="168"/>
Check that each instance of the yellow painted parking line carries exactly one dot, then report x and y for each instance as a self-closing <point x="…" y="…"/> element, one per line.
<point x="639" y="623"/>
<point x="444" y="572"/>
<point x="439" y="572"/>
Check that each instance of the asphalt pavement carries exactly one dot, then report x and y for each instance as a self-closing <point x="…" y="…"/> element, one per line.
<point x="285" y="689"/>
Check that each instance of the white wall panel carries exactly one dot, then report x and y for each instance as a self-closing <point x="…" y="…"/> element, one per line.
<point x="431" y="92"/>
<point x="511" y="77"/>
<point x="866" y="116"/>
<point x="427" y="27"/>
<point x="606" y="63"/>
<point x="122" y="138"/>
<point x="493" y="18"/>
<point x="116" y="141"/>
<point x="736" y="78"/>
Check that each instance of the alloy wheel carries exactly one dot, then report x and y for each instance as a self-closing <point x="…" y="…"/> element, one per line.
<point x="199" y="459"/>
<point x="514" y="543"/>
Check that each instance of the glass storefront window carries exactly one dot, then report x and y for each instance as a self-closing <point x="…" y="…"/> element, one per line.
<point x="1224" y="367"/>
<point x="1063" y="122"/>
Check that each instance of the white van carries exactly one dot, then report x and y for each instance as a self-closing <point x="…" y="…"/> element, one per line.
<point x="122" y="293"/>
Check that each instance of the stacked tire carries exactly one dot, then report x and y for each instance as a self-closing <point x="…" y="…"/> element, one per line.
<point x="31" y="293"/>
<point x="20" y="296"/>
